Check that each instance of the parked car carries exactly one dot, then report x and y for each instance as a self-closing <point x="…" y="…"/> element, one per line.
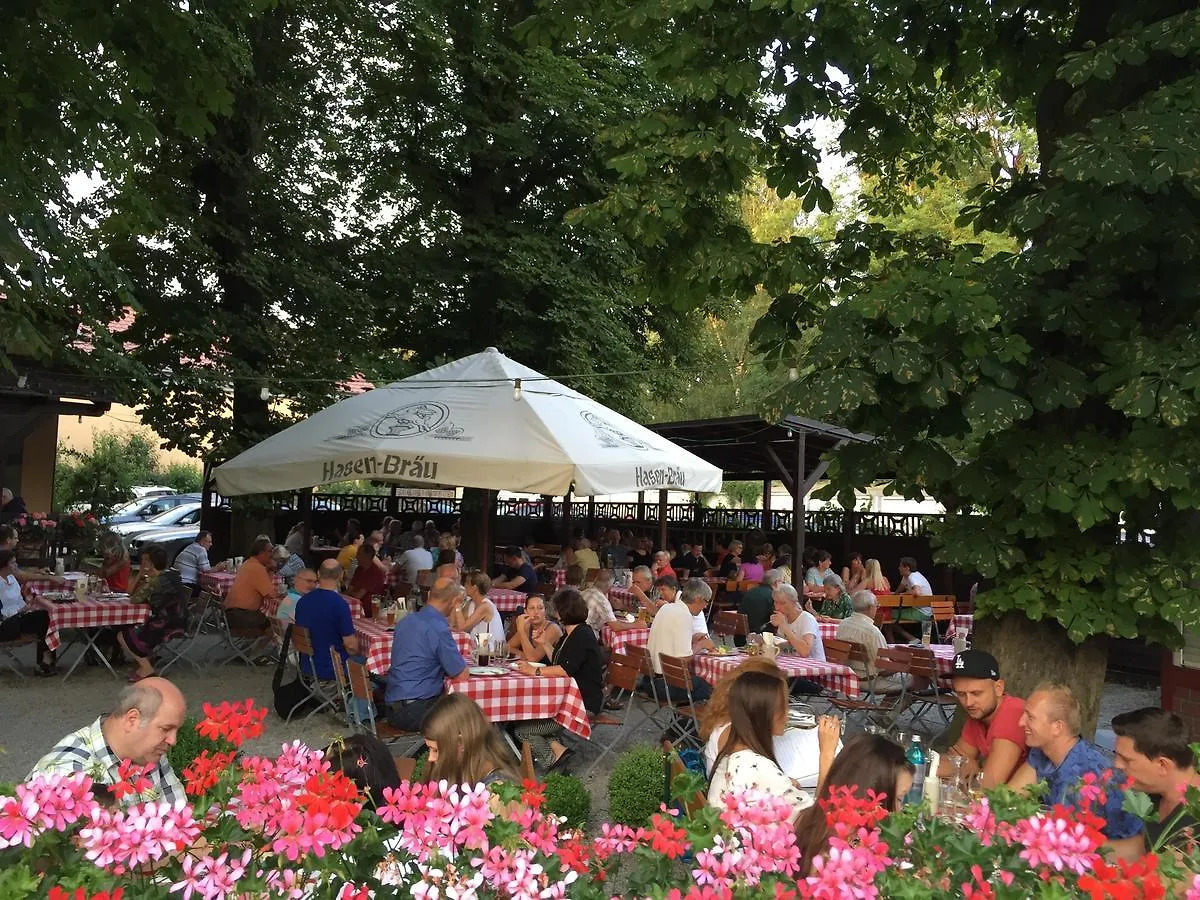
<point x="142" y="491"/>
<point x="148" y="507"/>
<point x="174" y="539"/>
<point x="184" y="514"/>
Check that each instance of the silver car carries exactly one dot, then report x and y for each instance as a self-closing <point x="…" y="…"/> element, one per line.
<point x="189" y="514"/>
<point x="174" y="539"/>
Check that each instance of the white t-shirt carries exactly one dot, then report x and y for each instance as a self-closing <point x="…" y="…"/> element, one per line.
<point x="670" y="633"/>
<point x="806" y="623"/>
<point x="600" y="611"/>
<point x="699" y="625"/>
<point x="797" y="749"/>
<point x="414" y="561"/>
<point x="745" y="770"/>
<point x="10" y="596"/>
<point x="918" y="584"/>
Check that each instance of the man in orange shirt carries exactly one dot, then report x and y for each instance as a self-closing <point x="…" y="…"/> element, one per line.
<point x="252" y="584"/>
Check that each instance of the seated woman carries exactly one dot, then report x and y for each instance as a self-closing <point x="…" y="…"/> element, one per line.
<point x="868" y="762"/>
<point x="115" y="566"/>
<point x="477" y="614"/>
<point x="757" y="713"/>
<point x="463" y="746"/>
<point x="803" y="754"/>
<point x="16" y="619"/>
<point x="534" y="636"/>
<point x="873" y="578"/>
<point x="165" y="593"/>
<point x="577" y="655"/>
<point x="365" y="760"/>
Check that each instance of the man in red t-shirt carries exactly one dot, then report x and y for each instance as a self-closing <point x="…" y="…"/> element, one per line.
<point x="992" y="739"/>
<point x="369" y="580"/>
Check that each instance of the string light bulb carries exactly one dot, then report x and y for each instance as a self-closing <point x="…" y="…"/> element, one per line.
<point x="517" y="389"/>
<point x="265" y="393"/>
<point x="793" y="374"/>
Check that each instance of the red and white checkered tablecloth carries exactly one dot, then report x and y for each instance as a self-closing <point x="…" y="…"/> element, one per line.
<point x="962" y="623"/>
<point x="835" y="676"/>
<point x="506" y="600"/>
<point x="49" y="583"/>
<point x="943" y="657"/>
<point x="220" y="582"/>
<point x="828" y="629"/>
<point x="617" y="641"/>
<point x="516" y="698"/>
<point x="89" y="613"/>
<point x="375" y="643"/>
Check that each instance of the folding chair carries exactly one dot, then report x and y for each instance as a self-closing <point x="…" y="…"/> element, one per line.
<point x="178" y="644"/>
<point x="324" y="694"/>
<point x="677" y="673"/>
<point x="528" y="772"/>
<point x="641" y="657"/>
<point x="243" y="643"/>
<point x="361" y="698"/>
<point x="936" y="696"/>
<point x="343" y="685"/>
<point x="10" y="658"/>
<point x="883" y="709"/>
<point x="622" y="675"/>
<point x="732" y="624"/>
<point x="943" y="615"/>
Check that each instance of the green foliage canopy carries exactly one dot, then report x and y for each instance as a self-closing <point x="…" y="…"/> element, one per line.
<point x="104" y="477"/>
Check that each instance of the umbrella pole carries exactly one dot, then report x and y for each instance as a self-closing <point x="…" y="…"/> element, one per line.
<point x="662" y="520"/>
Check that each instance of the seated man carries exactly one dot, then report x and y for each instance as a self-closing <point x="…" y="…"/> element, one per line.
<point x="641" y="585"/>
<point x="695" y="595"/>
<point x="913" y="583"/>
<point x="192" y="561"/>
<point x="1153" y="751"/>
<point x="678" y="561"/>
<point x="1059" y="757"/>
<point x="662" y="565"/>
<point x="671" y="634"/>
<point x="614" y="555"/>
<point x="424" y="655"/>
<point x="519" y="576"/>
<point x="695" y="562"/>
<point x="860" y="628"/>
<point x="732" y="561"/>
<point x="414" y="560"/>
<point x="992" y="739"/>
<point x="799" y="628"/>
<point x="585" y="557"/>
<point x="289" y="564"/>
<point x="305" y="581"/>
<point x="758" y="603"/>
<point x="600" y="611"/>
<point x="141" y="729"/>
<point x="369" y="580"/>
<point x="251" y="586"/>
<point x="326" y="615"/>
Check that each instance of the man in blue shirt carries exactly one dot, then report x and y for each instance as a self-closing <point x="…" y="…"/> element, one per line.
<point x="326" y="615"/>
<point x="1059" y="757"/>
<point x="423" y="656"/>
<point x="519" y="576"/>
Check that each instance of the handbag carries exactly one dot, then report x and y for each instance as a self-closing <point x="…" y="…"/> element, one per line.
<point x="294" y="696"/>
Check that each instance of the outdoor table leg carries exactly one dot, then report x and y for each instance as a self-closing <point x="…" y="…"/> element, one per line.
<point x="90" y="635"/>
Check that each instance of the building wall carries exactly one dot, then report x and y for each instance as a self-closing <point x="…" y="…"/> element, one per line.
<point x="1181" y="682"/>
<point x="37" y="465"/>
<point x="78" y="432"/>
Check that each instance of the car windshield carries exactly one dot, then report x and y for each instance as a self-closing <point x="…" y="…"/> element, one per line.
<point x="131" y="507"/>
<point x="170" y="517"/>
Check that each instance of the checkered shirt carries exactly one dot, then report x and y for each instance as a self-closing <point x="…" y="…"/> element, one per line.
<point x="86" y="751"/>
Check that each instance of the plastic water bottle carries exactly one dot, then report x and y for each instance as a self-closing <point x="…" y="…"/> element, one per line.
<point x="916" y="756"/>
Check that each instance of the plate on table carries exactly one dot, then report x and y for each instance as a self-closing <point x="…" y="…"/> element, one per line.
<point x="487" y="670"/>
<point x="59" y="596"/>
<point x="111" y="596"/>
<point x="727" y="651"/>
<point x="518" y="662"/>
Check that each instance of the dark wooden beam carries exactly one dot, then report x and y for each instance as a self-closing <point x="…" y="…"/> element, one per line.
<point x="784" y="474"/>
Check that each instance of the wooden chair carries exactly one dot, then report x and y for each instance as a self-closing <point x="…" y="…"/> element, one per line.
<point x="323" y="695"/>
<point x="7" y="653"/>
<point x="731" y="623"/>
<point x="621" y="674"/>
<point x="361" y="696"/>
<point x="837" y="651"/>
<point x="935" y="697"/>
<point x="943" y="607"/>
<point x="641" y="657"/>
<point x="677" y="673"/>
<point x="591" y="575"/>
<point x="884" y="709"/>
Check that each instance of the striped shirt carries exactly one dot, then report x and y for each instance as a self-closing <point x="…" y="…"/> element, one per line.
<point x="88" y="752"/>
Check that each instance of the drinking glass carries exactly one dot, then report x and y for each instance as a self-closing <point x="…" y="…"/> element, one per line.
<point x="926" y="631"/>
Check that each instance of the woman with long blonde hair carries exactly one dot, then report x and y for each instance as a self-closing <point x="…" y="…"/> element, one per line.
<point x="463" y="746"/>
<point x="873" y="578"/>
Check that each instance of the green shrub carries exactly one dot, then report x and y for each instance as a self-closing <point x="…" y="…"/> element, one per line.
<point x="189" y="744"/>
<point x="567" y="797"/>
<point x="635" y="788"/>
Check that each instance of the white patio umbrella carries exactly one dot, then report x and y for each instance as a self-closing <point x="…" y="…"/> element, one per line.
<point x="483" y="421"/>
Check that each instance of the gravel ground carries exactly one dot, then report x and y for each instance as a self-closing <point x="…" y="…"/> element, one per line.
<point x="39" y="711"/>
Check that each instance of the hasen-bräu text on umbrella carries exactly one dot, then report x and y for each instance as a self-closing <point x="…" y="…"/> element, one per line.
<point x="392" y="466"/>
<point x="660" y="476"/>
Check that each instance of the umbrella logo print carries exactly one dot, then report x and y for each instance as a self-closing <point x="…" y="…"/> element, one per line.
<point x="411" y="420"/>
<point x="609" y="435"/>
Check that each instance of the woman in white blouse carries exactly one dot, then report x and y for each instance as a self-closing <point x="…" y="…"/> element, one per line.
<point x="477" y="614"/>
<point x="746" y="761"/>
<point x="16" y="619"/>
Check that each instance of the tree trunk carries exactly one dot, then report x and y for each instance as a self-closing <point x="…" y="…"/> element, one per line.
<point x="1032" y="652"/>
